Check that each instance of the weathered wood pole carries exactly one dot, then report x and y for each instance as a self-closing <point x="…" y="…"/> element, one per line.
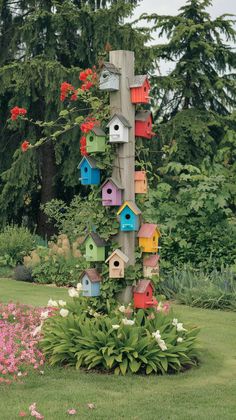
<point x="124" y="164"/>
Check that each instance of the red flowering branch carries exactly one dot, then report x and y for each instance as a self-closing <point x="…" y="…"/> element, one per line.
<point x="16" y="112"/>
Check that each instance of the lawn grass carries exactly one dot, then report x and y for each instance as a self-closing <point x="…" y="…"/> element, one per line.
<point x="207" y="392"/>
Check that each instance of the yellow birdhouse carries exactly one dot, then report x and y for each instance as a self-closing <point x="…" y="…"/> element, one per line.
<point x="148" y="237"/>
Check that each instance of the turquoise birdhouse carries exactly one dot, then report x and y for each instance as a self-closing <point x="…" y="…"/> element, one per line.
<point x="94" y="247"/>
<point x="89" y="173"/>
<point x="129" y="216"/>
<point x="91" y="282"/>
<point x="96" y="140"/>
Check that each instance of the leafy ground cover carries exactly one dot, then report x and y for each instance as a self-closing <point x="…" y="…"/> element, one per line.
<point x="206" y="391"/>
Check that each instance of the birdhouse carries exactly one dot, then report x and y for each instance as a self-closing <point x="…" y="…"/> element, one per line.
<point x="140" y="182"/>
<point x="117" y="261"/>
<point x="111" y="193"/>
<point x="118" y="129"/>
<point x="109" y="78"/>
<point x="96" y="140"/>
<point x="143" y="295"/>
<point x="143" y="124"/>
<point x="129" y="216"/>
<point x="91" y="281"/>
<point x="89" y="173"/>
<point x="140" y="88"/>
<point x="94" y="247"/>
<point x="151" y="266"/>
<point x="148" y="237"/>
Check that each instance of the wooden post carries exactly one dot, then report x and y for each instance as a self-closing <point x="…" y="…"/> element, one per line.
<point x="124" y="164"/>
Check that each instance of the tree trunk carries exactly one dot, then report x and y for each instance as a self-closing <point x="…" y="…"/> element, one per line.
<point x="48" y="172"/>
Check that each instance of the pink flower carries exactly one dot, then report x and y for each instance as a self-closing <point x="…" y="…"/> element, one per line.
<point x="71" y="411"/>
<point x="22" y="414"/>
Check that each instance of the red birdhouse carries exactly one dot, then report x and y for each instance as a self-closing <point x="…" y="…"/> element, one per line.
<point x="140" y="88"/>
<point x="143" y="124"/>
<point x="143" y="295"/>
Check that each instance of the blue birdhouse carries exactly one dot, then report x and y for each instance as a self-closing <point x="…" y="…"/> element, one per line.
<point x="129" y="216"/>
<point x="91" y="281"/>
<point x="89" y="173"/>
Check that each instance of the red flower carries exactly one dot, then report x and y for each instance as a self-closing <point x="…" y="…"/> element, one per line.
<point x="16" y="111"/>
<point x="66" y="89"/>
<point x="25" y="146"/>
<point x="87" y="126"/>
<point x="83" y="141"/>
<point x="87" y="85"/>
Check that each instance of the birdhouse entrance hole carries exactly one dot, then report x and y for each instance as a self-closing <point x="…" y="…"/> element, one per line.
<point x="91" y="246"/>
<point x="127" y="216"/>
<point x="116" y="127"/>
<point x="105" y="75"/>
<point x="86" y="282"/>
<point x="85" y="169"/>
<point x="109" y="190"/>
<point x="116" y="263"/>
<point x="147" y="294"/>
<point x="91" y="138"/>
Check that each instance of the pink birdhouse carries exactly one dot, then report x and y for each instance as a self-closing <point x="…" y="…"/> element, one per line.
<point x="151" y="266"/>
<point x="111" y="193"/>
<point x="140" y="182"/>
<point x="143" y="124"/>
<point x="143" y="295"/>
<point x="140" y="88"/>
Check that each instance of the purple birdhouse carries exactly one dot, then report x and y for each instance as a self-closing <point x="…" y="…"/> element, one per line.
<point x="111" y="193"/>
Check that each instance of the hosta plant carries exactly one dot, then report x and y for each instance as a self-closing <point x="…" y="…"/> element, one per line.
<point x="149" y="342"/>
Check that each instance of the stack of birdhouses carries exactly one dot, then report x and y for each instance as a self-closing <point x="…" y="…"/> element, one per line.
<point x="112" y="194"/>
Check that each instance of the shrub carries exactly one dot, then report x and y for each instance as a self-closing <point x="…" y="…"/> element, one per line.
<point x="22" y="273"/>
<point x="152" y="342"/>
<point x="15" y="242"/>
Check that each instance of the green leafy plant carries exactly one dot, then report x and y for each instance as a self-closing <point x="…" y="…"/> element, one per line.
<point x="152" y="342"/>
<point x="15" y="243"/>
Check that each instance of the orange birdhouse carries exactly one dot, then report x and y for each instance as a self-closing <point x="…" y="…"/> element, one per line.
<point x="140" y="182"/>
<point x="117" y="261"/>
<point x="143" y="124"/>
<point x="143" y="295"/>
<point x="140" y="89"/>
<point x="148" y="237"/>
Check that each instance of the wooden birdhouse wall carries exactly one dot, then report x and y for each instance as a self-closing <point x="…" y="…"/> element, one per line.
<point x="118" y="133"/>
<point x="143" y="300"/>
<point x="109" y="81"/>
<point x="88" y="175"/>
<point x="111" y="195"/>
<point x="95" y="143"/>
<point x="144" y="128"/>
<point x="128" y="220"/>
<point x="93" y="252"/>
<point x="140" y="182"/>
<point x="149" y="244"/>
<point x="140" y="95"/>
<point x="116" y="268"/>
<point x="149" y="272"/>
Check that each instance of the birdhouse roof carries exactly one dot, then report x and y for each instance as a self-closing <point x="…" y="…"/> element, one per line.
<point x="142" y="286"/>
<point x="92" y="274"/>
<point x="114" y="181"/>
<point x="138" y="80"/>
<point x="132" y="207"/>
<point x="120" y="254"/>
<point x="147" y="230"/>
<point x="143" y="115"/>
<point x="96" y="238"/>
<point x="98" y="131"/>
<point x="111" y="68"/>
<point x="151" y="261"/>
<point x="122" y="119"/>
<point x="91" y="161"/>
<point x="140" y="175"/>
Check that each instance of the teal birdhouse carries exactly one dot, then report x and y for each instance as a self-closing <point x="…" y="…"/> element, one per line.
<point x="89" y="173"/>
<point x="91" y="281"/>
<point x="96" y="140"/>
<point x="129" y="216"/>
<point x="94" y="247"/>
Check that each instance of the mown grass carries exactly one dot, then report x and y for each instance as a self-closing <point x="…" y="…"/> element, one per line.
<point x="206" y="392"/>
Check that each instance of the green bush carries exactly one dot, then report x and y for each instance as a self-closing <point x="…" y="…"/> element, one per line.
<point x="58" y="270"/>
<point x="15" y="243"/>
<point x="86" y="339"/>
<point x="22" y="273"/>
<point x="215" y="290"/>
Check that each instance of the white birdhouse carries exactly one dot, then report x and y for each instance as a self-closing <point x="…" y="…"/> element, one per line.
<point x="109" y="78"/>
<point x="118" y="129"/>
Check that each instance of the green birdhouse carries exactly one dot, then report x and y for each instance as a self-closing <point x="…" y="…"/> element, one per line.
<point x="96" y="140"/>
<point x="94" y="247"/>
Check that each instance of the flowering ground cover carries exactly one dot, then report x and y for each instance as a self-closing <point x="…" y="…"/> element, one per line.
<point x="204" y="392"/>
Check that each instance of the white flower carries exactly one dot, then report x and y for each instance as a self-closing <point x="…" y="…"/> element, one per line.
<point x="44" y="315"/>
<point x="175" y="322"/>
<point x="64" y="312"/>
<point x="79" y="287"/>
<point x="62" y="303"/>
<point x="115" y="326"/>
<point x="52" y="303"/>
<point x="122" y="308"/>
<point x="73" y="292"/>
<point x="162" y="345"/>
<point x="156" y="335"/>
<point x="19" y="374"/>
<point x="127" y="321"/>
<point x="179" y="340"/>
<point x="180" y="327"/>
<point x="37" y="330"/>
